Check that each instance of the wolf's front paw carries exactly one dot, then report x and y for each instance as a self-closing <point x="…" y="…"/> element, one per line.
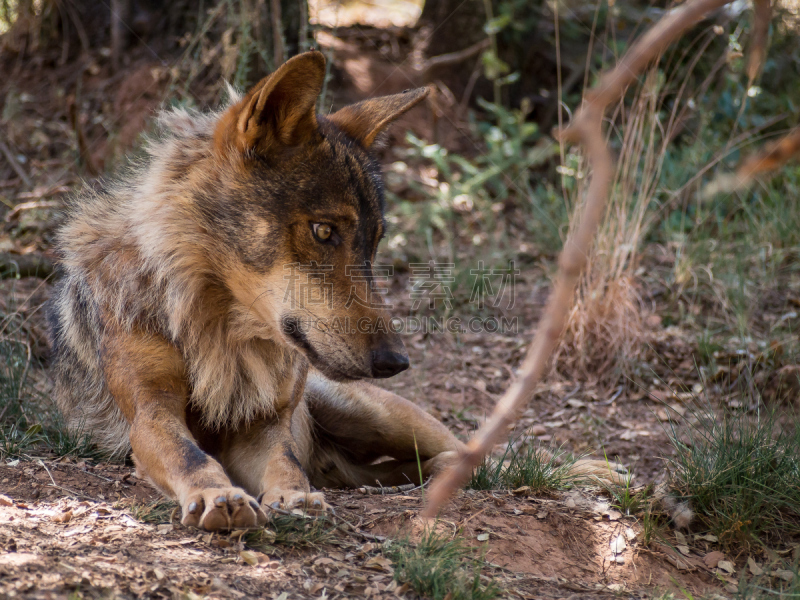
<point x="214" y="509"/>
<point x="309" y="502"/>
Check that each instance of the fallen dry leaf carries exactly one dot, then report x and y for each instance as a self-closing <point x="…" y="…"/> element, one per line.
<point x="76" y="531"/>
<point x="754" y="568"/>
<point x="711" y="560"/>
<point x="64" y="517"/>
<point x="378" y="563"/>
<point x="726" y="566"/>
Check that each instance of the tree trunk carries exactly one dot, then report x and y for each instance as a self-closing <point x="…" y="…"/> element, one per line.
<point x="524" y="44"/>
<point x="120" y="14"/>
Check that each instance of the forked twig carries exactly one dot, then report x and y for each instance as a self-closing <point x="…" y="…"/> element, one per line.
<point x="586" y="129"/>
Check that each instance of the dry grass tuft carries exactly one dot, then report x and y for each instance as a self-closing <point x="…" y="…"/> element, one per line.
<point x="605" y="331"/>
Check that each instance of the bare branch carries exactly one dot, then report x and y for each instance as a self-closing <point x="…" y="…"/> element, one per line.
<point x="772" y="157"/>
<point x="587" y="130"/>
<point x="120" y="12"/>
<point x="758" y="40"/>
<point x="12" y="160"/>
<point x="453" y="58"/>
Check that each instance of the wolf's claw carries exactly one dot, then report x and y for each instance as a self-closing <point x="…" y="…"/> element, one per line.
<point x="312" y="502"/>
<point x="221" y="509"/>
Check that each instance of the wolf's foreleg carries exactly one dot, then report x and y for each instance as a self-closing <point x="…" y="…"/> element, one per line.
<point x="265" y="459"/>
<point x="146" y="376"/>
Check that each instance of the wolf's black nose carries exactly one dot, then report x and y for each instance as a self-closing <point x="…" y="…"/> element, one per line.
<point x="387" y="363"/>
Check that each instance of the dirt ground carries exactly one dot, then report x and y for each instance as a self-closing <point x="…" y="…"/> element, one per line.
<point x="68" y="527"/>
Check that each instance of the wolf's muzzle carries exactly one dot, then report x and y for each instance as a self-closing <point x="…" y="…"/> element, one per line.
<point x="388" y="363"/>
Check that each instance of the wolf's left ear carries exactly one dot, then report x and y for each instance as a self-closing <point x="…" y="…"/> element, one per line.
<point x="365" y="121"/>
<point x="279" y="110"/>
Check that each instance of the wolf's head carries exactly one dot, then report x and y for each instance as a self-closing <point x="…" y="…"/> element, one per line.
<point x="302" y="215"/>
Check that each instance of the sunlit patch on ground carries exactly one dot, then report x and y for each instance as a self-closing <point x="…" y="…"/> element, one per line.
<point x="375" y="13"/>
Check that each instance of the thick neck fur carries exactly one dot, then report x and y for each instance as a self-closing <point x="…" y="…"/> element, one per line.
<point x="150" y="262"/>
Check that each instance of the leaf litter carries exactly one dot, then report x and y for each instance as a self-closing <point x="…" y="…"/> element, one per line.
<point x="529" y="545"/>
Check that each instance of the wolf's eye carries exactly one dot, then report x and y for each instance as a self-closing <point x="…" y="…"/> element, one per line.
<point x="323" y="232"/>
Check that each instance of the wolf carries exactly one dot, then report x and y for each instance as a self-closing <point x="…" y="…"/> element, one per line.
<point x="197" y="320"/>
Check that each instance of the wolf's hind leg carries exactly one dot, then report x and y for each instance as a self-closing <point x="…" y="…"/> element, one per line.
<point x="356" y="424"/>
<point x="145" y="374"/>
<point x="341" y="471"/>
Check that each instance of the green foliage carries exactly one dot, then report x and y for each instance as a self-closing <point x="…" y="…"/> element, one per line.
<point x="654" y="525"/>
<point x="76" y="443"/>
<point x="544" y="470"/>
<point x="17" y="434"/>
<point x="156" y="512"/>
<point x="514" y="147"/>
<point x="23" y="425"/>
<point x="625" y="497"/>
<point x="439" y="567"/>
<point x="16" y="440"/>
<point x="740" y="473"/>
<point x="465" y="197"/>
<point x="14" y="367"/>
<point x="292" y="531"/>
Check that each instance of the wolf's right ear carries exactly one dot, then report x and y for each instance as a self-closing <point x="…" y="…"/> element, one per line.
<point x="279" y="111"/>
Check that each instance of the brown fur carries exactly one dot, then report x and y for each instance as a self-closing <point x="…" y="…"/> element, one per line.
<point x="177" y="333"/>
